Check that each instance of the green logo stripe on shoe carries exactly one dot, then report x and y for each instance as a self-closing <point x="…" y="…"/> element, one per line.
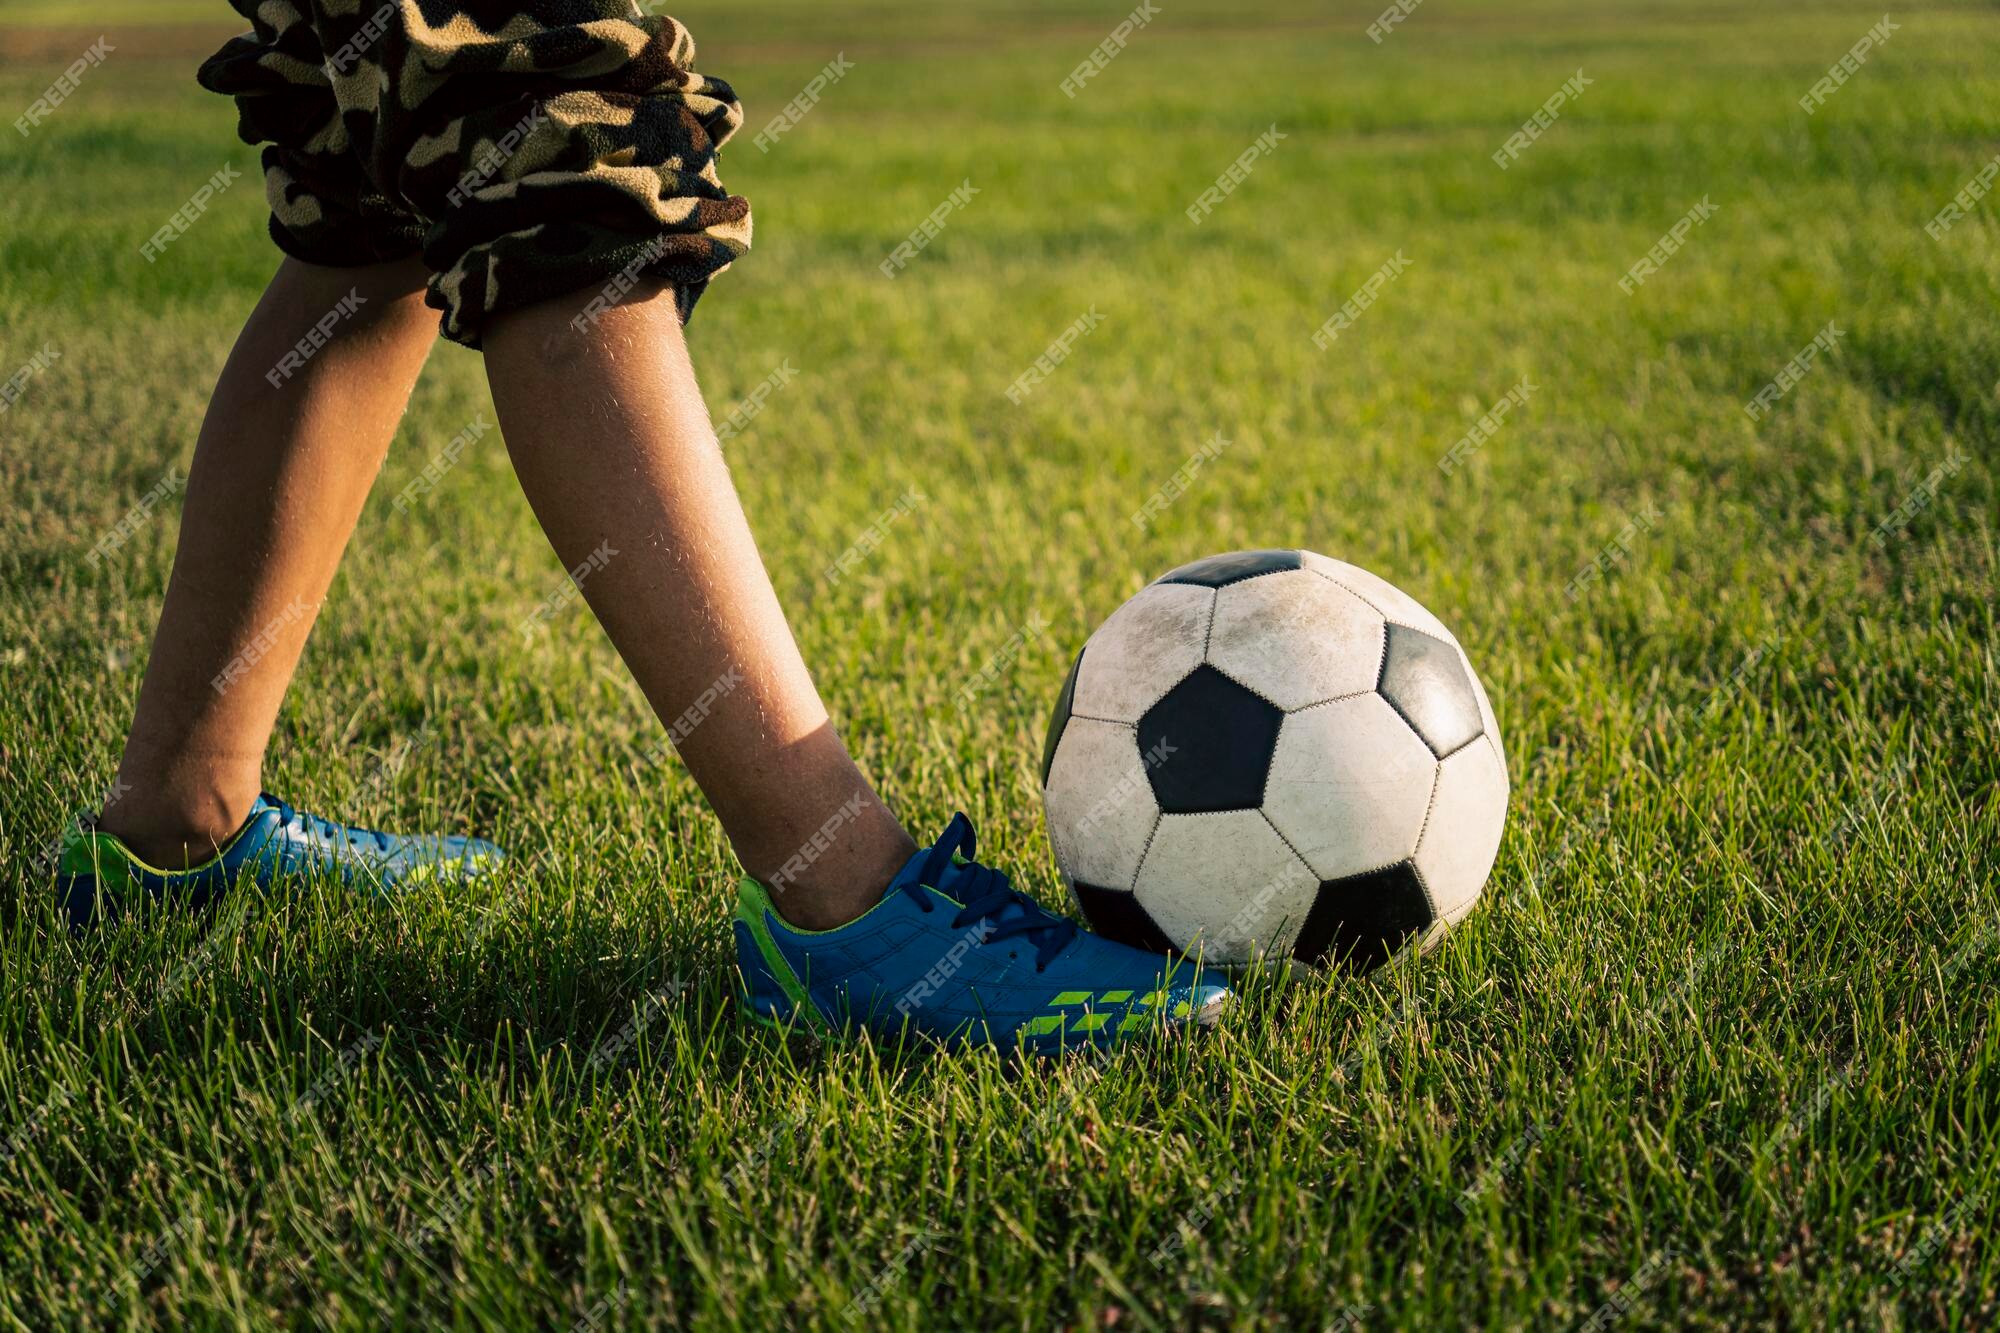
<point x="753" y="909"/>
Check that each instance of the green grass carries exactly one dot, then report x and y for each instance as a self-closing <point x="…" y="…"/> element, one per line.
<point x="1731" y="994"/>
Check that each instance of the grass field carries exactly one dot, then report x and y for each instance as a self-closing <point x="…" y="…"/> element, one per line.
<point x="1721" y="1045"/>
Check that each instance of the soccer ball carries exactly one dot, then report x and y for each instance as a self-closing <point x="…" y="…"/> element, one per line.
<point x="1271" y="753"/>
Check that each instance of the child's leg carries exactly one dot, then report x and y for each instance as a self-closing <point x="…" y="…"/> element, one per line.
<point x="613" y="446"/>
<point x="279" y="477"/>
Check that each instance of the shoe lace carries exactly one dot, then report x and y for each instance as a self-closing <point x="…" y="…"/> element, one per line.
<point x="293" y="817"/>
<point x="989" y="896"/>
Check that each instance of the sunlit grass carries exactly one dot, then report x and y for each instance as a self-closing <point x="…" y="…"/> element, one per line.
<point x="1724" y="1030"/>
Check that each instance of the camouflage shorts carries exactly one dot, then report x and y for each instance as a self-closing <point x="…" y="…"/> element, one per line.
<point x="526" y="148"/>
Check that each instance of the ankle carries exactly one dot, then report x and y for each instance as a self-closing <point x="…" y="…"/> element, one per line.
<point x="845" y="879"/>
<point x="824" y="907"/>
<point x="172" y="834"/>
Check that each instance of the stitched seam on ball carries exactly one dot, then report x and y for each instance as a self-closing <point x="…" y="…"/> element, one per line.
<point x="1250" y="688"/>
<point x="1228" y="582"/>
<point x="1307" y="865"/>
<point x="1430" y="807"/>
<point x="1375" y="869"/>
<point x="1336" y="699"/>
<point x="1107" y="721"/>
<point x="1422" y="739"/>
<point x="1463" y="745"/>
<point x="1499" y="759"/>
<point x="1430" y="899"/>
<point x="1260" y="574"/>
<point x="1409" y="861"/>
<point x="1364" y="600"/>
<point x="1146" y="851"/>
<point x="1171" y="688"/>
<point x="1388" y="619"/>
<point x="1208" y="634"/>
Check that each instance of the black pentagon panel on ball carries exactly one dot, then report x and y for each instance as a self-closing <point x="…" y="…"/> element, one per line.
<point x="1207" y="744"/>
<point x="1120" y="916"/>
<point x="1360" y="922"/>
<point x="1060" y="718"/>
<point x="1219" y="571"/>
<point x="1424" y="679"/>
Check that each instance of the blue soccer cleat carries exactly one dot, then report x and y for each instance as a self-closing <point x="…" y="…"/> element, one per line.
<point x="98" y="877"/>
<point x="955" y="953"/>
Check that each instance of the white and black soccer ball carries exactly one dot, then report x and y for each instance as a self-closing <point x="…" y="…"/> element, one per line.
<point x="1272" y="753"/>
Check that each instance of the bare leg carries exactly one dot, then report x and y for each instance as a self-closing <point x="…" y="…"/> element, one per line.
<point x="279" y="476"/>
<point x="613" y="446"/>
